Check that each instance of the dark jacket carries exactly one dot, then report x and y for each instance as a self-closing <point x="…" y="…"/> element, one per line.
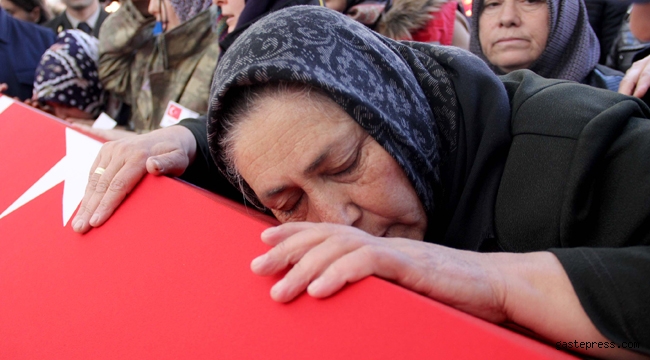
<point x="21" y="47"/>
<point x="605" y="18"/>
<point x="578" y="183"/>
<point x="61" y="22"/>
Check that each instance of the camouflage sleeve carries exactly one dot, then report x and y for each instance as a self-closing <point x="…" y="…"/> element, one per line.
<point x="122" y="34"/>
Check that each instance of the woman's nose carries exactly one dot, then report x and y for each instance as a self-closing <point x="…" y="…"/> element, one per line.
<point x="335" y="209"/>
<point x="509" y="14"/>
<point x="153" y="7"/>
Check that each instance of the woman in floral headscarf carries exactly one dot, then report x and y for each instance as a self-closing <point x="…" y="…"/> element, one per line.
<point x="66" y="77"/>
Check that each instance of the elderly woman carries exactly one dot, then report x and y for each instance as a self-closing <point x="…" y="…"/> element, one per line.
<point x="415" y="163"/>
<point x="553" y="38"/>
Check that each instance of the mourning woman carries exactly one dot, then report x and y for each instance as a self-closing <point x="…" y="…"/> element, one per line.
<point x="513" y="199"/>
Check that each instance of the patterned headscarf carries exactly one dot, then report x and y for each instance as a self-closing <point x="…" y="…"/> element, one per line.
<point x="403" y="94"/>
<point x="67" y="73"/>
<point x="572" y="49"/>
<point x="187" y="9"/>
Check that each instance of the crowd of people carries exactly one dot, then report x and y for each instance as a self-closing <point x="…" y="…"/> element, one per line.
<point x="494" y="162"/>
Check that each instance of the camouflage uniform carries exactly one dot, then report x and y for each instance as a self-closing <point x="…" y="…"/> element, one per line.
<point x="147" y="72"/>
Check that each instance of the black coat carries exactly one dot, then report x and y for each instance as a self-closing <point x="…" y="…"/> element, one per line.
<point x="61" y="22"/>
<point x="577" y="182"/>
<point x="606" y="17"/>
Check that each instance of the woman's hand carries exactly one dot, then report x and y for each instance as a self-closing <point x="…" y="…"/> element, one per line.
<point x="637" y="79"/>
<point x="121" y="164"/>
<point x="327" y="256"/>
<point x="531" y="290"/>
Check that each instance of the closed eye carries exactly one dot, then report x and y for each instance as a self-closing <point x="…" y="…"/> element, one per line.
<point x="288" y="213"/>
<point x="351" y="166"/>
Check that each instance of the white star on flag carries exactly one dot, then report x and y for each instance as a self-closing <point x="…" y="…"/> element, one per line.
<point x="73" y="170"/>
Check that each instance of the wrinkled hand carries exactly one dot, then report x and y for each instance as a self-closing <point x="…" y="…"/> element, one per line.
<point x="637" y="79"/>
<point x="166" y="151"/>
<point x="327" y="256"/>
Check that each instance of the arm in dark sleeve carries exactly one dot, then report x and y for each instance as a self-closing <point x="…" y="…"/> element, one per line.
<point x="609" y="268"/>
<point x="613" y="286"/>
<point x="203" y="172"/>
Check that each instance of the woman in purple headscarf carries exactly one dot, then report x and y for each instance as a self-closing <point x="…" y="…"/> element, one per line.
<point x="552" y="38"/>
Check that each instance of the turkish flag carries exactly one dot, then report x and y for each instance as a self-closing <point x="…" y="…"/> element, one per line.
<point x="168" y="277"/>
<point x="174" y="111"/>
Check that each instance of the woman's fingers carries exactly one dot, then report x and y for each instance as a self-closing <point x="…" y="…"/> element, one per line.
<point x="110" y="194"/>
<point x="312" y="264"/>
<point x="274" y="235"/>
<point x="313" y="248"/>
<point x="174" y="163"/>
<point x="289" y="249"/>
<point x="124" y="162"/>
<point x="637" y="79"/>
<point x="349" y="268"/>
<point x="110" y="181"/>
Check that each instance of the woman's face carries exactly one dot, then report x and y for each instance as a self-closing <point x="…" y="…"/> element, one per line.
<point x="337" y="5"/>
<point x="19" y="13"/>
<point x="231" y="9"/>
<point x="163" y="11"/>
<point x="513" y="33"/>
<point x="68" y="112"/>
<point x="314" y="163"/>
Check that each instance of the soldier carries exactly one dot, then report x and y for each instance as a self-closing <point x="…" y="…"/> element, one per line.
<point x="85" y="15"/>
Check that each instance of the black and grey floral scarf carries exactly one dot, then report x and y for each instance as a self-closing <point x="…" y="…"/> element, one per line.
<point x="439" y="111"/>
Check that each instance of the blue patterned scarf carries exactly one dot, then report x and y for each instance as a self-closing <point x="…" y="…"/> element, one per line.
<point x="423" y="103"/>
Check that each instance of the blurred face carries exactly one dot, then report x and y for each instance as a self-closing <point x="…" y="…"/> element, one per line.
<point x="317" y="164"/>
<point x="337" y="5"/>
<point x="513" y="33"/>
<point x="163" y="11"/>
<point x="80" y="4"/>
<point x="231" y="9"/>
<point x="19" y="13"/>
<point x="68" y="112"/>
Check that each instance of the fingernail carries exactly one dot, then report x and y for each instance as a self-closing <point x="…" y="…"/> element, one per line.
<point x="269" y="232"/>
<point x="94" y="220"/>
<point x="315" y="286"/>
<point x="258" y="262"/>
<point x="277" y="289"/>
<point x="157" y="165"/>
<point x="78" y="224"/>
